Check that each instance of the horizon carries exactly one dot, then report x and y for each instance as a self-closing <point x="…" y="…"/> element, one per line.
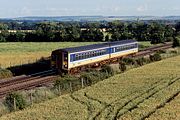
<point x="90" y="16"/>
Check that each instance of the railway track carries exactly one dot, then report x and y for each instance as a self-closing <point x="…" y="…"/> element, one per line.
<point x="26" y="82"/>
<point x="153" y="49"/>
<point x="31" y="81"/>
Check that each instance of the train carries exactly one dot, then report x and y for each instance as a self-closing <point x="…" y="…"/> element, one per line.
<point x="75" y="59"/>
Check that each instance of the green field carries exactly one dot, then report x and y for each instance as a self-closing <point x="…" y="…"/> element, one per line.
<point x="141" y="93"/>
<point x="12" y="54"/>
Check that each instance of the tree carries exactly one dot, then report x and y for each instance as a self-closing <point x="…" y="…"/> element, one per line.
<point x="177" y="27"/>
<point x="157" y="33"/>
<point x="45" y="31"/>
<point x="90" y="35"/>
<point x="3" y="26"/>
<point x="107" y="37"/>
<point x="116" y="36"/>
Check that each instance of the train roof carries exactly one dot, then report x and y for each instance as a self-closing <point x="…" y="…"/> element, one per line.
<point x="96" y="46"/>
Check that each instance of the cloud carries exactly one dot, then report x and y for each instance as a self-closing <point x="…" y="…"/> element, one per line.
<point x="142" y="8"/>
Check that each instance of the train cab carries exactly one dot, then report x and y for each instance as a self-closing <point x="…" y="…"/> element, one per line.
<point x="59" y="60"/>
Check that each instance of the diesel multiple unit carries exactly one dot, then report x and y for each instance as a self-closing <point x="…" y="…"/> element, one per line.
<point x="76" y="58"/>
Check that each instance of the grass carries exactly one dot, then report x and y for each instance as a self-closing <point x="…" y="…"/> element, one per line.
<point x="139" y="93"/>
<point x="144" y="44"/>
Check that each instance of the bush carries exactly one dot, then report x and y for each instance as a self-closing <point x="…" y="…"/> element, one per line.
<point x="107" y="69"/>
<point x="155" y="57"/>
<point x="122" y="66"/>
<point x="161" y="51"/>
<point x="19" y="102"/>
<point x="4" y="73"/>
<point x="169" y="39"/>
<point x="128" y="61"/>
<point x="174" y="51"/>
<point x="141" y="61"/>
<point x="176" y="42"/>
<point x="94" y="77"/>
<point x="65" y="79"/>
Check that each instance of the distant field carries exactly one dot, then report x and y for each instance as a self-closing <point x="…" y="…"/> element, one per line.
<point x="19" y="53"/>
<point x="12" y="54"/>
<point x="150" y="91"/>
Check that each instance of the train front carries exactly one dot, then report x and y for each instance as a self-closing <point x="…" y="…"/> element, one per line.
<point x="53" y="60"/>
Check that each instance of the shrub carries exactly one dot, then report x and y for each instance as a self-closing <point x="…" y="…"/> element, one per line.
<point x="95" y="76"/>
<point x="108" y="69"/>
<point x="122" y="66"/>
<point x="140" y="61"/>
<point x="155" y="57"/>
<point x="4" y="73"/>
<point x="174" y="51"/>
<point x="176" y="42"/>
<point x="161" y="51"/>
<point x="15" y="99"/>
<point x="169" y="39"/>
<point x="129" y="61"/>
<point x="65" y="79"/>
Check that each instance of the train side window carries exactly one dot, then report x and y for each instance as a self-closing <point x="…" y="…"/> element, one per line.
<point x="83" y="55"/>
<point x="121" y="48"/>
<point x="99" y="53"/>
<point x="128" y="46"/>
<point x="80" y="57"/>
<point x="96" y="53"/>
<point x="76" y="57"/>
<point x="93" y="54"/>
<point x="89" y="54"/>
<point x="86" y="55"/>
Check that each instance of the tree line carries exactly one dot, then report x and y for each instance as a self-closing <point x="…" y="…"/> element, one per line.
<point x="89" y="31"/>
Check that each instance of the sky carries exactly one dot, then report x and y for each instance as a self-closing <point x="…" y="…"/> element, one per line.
<point x="22" y="8"/>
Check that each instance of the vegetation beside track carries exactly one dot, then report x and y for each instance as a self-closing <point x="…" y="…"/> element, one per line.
<point x="144" y="90"/>
<point x="4" y="73"/>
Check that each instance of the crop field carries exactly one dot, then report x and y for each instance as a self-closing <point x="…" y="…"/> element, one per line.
<point x="148" y="92"/>
<point x="12" y="54"/>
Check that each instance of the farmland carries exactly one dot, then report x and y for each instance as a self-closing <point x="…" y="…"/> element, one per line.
<point x="147" y="92"/>
<point x="12" y="54"/>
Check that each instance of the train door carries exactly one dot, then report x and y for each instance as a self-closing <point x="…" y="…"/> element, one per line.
<point x="58" y="58"/>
